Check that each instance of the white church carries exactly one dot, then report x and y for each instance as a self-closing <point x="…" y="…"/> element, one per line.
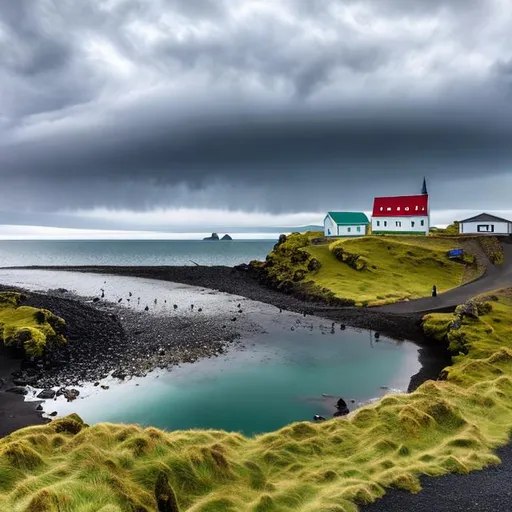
<point x="407" y="215"/>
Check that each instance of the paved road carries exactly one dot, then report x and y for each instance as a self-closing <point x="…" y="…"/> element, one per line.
<point x="495" y="277"/>
<point x="480" y="491"/>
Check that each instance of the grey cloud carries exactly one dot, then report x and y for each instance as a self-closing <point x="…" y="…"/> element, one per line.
<point x="280" y="112"/>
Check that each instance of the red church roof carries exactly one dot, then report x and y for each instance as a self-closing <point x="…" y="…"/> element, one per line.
<point x="400" y="206"/>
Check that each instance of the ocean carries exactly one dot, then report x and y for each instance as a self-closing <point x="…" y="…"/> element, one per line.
<point x="18" y="253"/>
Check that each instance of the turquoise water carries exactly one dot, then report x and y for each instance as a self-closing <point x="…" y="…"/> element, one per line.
<point x="131" y="252"/>
<point x="279" y="378"/>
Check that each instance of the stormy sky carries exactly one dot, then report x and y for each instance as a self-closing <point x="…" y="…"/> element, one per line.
<point x="188" y="114"/>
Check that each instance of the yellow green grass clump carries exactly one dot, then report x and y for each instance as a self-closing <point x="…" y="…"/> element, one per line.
<point x="450" y="425"/>
<point x="371" y="270"/>
<point x="28" y="328"/>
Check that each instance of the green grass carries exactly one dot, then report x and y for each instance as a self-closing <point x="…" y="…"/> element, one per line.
<point x="28" y="328"/>
<point x="450" y="425"/>
<point x="371" y="270"/>
<point x="396" y="268"/>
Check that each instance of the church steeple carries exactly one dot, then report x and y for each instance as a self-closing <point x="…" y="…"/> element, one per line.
<point x="424" y="188"/>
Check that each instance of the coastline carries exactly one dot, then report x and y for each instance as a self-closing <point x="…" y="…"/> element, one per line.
<point x="101" y="323"/>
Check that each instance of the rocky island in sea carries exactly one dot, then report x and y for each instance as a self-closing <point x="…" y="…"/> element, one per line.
<point x="215" y="236"/>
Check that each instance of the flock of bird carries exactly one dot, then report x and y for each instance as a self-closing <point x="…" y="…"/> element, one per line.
<point x="233" y="319"/>
<point x="146" y="308"/>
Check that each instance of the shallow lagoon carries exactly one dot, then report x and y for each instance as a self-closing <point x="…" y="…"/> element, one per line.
<point x="280" y="371"/>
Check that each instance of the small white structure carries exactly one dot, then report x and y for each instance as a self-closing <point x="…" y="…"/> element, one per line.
<point x="346" y="224"/>
<point x="485" y="224"/>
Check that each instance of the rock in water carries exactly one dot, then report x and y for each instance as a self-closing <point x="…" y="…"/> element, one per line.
<point x="226" y="237"/>
<point x="165" y="498"/>
<point x="46" y="394"/>
<point x="214" y="236"/>
<point x="343" y="410"/>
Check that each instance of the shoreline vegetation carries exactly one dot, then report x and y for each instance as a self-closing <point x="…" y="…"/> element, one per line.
<point x="449" y="425"/>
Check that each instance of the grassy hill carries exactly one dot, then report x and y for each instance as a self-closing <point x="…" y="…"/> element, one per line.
<point x="450" y="425"/>
<point x="372" y="270"/>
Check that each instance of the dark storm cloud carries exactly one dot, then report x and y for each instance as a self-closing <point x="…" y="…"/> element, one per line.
<point x="280" y="106"/>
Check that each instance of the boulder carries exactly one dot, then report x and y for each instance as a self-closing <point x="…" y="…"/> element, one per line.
<point x="71" y="394"/>
<point x="342" y="409"/>
<point x="214" y="236"/>
<point x="46" y="394"/>
<point x="226" y="237"/>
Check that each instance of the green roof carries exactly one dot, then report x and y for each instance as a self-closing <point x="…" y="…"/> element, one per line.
<point x="349" y="218"/>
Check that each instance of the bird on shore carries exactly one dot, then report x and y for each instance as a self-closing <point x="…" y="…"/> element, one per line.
<point x="191" y="306"/>
<point x="156" y="301"/>
<point x="175" y="306"/>
<point x="280" y="310"/>
<point x="200" y="309"/>
<point x="238" y="305"/>
<point x="130" y="294"/>
<point x="304" y="314"/>
<point x="119" y="300"/>
<point x="342" y="327"/>
<point x="102" y="293"/>
<point x="146" y="308"/>
<point x="240" y="311"/>
<point x="233" y="319"/>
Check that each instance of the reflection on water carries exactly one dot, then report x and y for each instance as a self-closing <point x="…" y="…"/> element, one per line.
<point x="288" y="368"/>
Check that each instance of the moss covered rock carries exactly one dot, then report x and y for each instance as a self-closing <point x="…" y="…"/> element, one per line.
<point x="30" y="329"/>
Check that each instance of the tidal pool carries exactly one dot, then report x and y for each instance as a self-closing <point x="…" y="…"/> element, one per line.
<point x="286" y="368"/>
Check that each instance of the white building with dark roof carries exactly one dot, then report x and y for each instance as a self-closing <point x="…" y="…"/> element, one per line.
<point x="485" y="224"/>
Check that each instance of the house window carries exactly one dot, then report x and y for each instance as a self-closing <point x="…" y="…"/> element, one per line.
<point x="398" y="224"/>
<point x="422" y="222"/>
<point x="485" y="228"/>
<point x="382" y="208"/>
<point x="406" y="208"/>
<point x="417" y="208"/>
<point x="349" y="229"/>
<point x="398" y="208"/>
<point x="385" y="223"/>
<point x="378" y="223"/>
<point x="359" y="229"/>
<point x="412" y="223"/>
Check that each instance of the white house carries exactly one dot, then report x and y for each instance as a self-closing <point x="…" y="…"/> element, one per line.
<point x="346" y="224"/>
<point x="406" y="215"/>
<point x="485" y="224"/>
